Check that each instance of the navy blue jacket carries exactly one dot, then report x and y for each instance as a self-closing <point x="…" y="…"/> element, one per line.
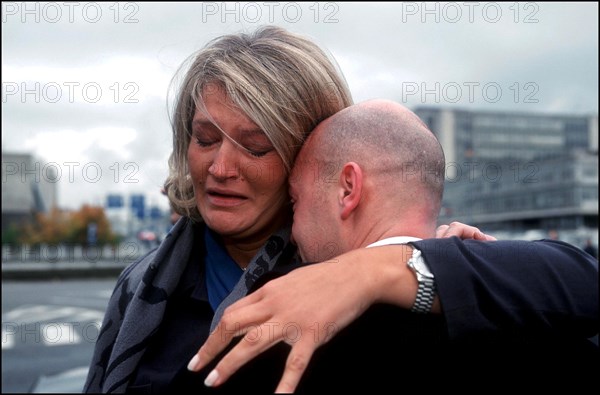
<point x="494" y="292"/>
<point x="515" y="315"/>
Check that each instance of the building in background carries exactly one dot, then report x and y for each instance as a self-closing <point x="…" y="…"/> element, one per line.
<point x="519" y="172"/>
<point x="484" y="136"/>
<point x="131" y="217"/>
<point x="118" y="215"/>
<point x="28" y="187"/>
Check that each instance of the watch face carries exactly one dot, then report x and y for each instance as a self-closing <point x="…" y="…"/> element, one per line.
<point x="419" y="265"/>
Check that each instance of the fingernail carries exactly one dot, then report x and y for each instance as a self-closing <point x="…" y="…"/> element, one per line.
<point x="193" y="363"/>
<point x="211" y="378"/>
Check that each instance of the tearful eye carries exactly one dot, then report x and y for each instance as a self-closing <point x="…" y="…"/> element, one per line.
<point x="204" y="143"/>
<point x="205" y="136"/>
<point x="258" y="154"/>
<point x="256" y="143"/>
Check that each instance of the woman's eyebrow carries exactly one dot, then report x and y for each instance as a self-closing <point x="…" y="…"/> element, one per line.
<point x="201" y="122"/>
<point x="252" y="131"/>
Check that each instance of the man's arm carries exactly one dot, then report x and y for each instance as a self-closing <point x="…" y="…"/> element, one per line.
<point x="541" y="286"/>
<point x="562" y="296"/>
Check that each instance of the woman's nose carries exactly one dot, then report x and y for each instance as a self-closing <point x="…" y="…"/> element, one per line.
<point x="225" y="163"/>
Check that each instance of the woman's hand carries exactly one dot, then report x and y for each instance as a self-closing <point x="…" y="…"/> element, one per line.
<point x="349" y="284"/>
<point x="462" y="231"/>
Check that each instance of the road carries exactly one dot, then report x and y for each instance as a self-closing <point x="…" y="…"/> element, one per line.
<point x="49" y="328"/>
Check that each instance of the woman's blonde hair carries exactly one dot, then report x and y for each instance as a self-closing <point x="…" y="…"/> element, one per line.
<point x="282" y="81"/>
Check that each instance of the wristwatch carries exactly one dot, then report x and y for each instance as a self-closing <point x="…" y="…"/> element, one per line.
<point x="426" y="289"/>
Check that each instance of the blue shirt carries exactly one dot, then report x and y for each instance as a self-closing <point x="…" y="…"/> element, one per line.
<point x="222" y="272"/>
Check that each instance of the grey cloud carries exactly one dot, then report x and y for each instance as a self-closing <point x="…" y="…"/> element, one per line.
<point x="383" y="48"/>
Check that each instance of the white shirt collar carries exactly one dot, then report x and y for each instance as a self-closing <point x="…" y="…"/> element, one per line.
<point x="394" y="240"/>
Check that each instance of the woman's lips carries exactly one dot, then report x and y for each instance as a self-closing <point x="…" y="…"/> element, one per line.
<point x="224" y="198"/>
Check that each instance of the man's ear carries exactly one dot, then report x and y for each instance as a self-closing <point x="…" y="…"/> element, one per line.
<point x="350" y="189"/>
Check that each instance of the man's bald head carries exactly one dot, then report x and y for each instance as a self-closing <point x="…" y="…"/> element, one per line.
<point x="371" y="171"/>
<point x="386" y="139"/>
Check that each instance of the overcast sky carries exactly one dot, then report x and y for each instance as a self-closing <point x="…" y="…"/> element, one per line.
<point x="84" y="85"/>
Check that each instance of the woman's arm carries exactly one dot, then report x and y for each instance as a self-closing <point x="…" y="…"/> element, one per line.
<point x="525" y="286"/>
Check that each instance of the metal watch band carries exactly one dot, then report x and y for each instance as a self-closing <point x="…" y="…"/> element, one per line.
<point x="425" y="295"/>
<point x="425" y="279"/>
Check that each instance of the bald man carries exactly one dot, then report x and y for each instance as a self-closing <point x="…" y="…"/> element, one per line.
<point x="371" y="171"/>
<point x="372" y="175"/>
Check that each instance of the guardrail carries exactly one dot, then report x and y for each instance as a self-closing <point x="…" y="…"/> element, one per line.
<point x="48" y="253"/>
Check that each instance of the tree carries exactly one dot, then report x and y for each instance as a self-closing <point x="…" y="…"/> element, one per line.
<point x="57" y="227"/>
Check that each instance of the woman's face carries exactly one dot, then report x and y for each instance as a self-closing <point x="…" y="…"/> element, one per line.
<point x="240" y="189"/>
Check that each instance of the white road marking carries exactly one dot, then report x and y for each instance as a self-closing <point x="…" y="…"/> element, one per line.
<point x="50" y="325"/>
<point x="59" y="334"/>
<point x="30" y="314"/>
<point x="8" y="339"/>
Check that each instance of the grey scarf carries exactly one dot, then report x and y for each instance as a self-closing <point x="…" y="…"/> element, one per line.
<point x="137" y="305"/>
<point x="262" y="263"/>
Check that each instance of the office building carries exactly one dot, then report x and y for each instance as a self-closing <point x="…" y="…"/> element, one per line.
<point x="28" y="187"/>
<point x="508" y="171"/>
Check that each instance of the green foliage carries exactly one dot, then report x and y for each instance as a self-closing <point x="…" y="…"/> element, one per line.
<point x="71" y="227"/>
<point x="11" y="235"/>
